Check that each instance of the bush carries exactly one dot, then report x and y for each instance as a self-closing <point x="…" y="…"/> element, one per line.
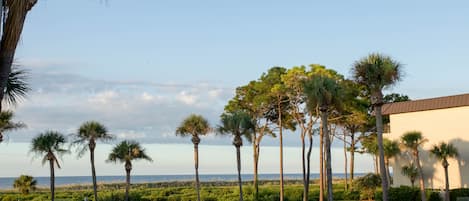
<point x="404" y="193"/>
<point x="434" y="196"/>
<point x="460" y="192"/>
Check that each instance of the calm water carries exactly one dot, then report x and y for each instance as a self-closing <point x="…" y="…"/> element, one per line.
<point x="7" y="182"/>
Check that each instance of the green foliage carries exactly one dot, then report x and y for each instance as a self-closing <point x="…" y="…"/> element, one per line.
<point x="391" y="148"/>
<point x="127" y="151"/>
<point x="412" y="140"/>
<point x="25" y="184"/>
<point x="17" y="86"/>
<point x="404" y="193"/>
<point x="6" y="124"/>
<point x="368" y="184"/>
<point x="434" y="196"/>
<point x="443" y="151"/>
<point x="48" y="144"/>
<point x="193" y="125"/>
<point x="410" y="171"/>
<point x="238" y="124"/>
<point x="460" y="192"/>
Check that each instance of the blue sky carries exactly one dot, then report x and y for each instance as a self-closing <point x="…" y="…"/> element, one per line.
<point x="140" y="68"/>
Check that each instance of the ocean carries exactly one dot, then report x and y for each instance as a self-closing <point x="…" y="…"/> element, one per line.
<point x="7" y="182"/>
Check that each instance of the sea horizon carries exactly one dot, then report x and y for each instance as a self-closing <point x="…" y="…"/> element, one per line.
<point x="6" y="183"/>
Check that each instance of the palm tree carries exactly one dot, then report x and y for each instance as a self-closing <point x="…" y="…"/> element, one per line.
<point x="443" y="151"/>
<point x="25" y="184"/>
<point x="391" y="149"/>
<point x="88" y="133"/>
<point x="7" y="125"/>
<point x="413" y="140"/>
<point x="194" y="125"/>
<point x="237" y="124"/>
<point x="125" y="152"/>
<point x="324" y="92"/>
<point x="50" y="145"/>
<point x="17" y="86"/>
<point x="376" y="72"/>
<point x="410" y="171"/>
<point x="12" y="22"/>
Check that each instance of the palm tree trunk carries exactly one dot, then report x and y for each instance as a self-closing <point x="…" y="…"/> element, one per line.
<point x="388" y="173"/>
<point x="303" y="161"/>
<point x="12" y="28"/>
<point x="238" y="160"/>
<point x="196" y="164"/>
<point x="328" y="153"/>
<point x="321" y="164"/>
<point x="52" y="179"/>
<point x="382" y="167"/>
<point x="309" y="164"/>
<point x="256" y="163"/>
<point x="446" y="183"/>
<point x="345" y="163"/>
<point x="352" y="160"/>
<point x="281" y="148"/>
<point x="128" y="168"/>
<point x="421" y="179"/>
<point x="93" y="171"/>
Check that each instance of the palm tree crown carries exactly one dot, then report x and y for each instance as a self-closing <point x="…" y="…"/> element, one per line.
<point x="49" y="143"/>
<point x="238" y="124"/>
<point x="413" y="140"/>
<point x="6" y="124"/>
<point x="377" y="71"/>
<point x="17" y="86"/>
<point x="127" y="151"/>
<point x="193" y="125"/>
<point x="443" y="151"/>
<point x="391" y="148"/>
<point x="323" y="91"/>
<point x="411" y="172"/>
<point x="88" y="133"/>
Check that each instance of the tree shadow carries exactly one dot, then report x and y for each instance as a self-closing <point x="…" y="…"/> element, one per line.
<point x="462" y="161"/>
<point x="428" y="168"/>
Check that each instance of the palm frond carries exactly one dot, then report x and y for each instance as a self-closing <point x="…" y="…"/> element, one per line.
<point x="17" y="86"/>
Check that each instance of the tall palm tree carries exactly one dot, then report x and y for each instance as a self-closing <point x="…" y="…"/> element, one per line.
<point x="126" y="152"/>
<point x="237" y="124"/>
<point x="50" y="145"/>
<point x="324" y="92"/>
<point x="88" y="133"/>
<point x="391" y="149"/>
<point x="195" y="126"/>
<point x="376" y="72"/>
<point x="12" y="22"/>
<point x="25" y="184"/>
<point x="413" y="140"/>
<point x="7" y="125"/>
<point x="443" y="151"/>
<point x="411" y="172"/>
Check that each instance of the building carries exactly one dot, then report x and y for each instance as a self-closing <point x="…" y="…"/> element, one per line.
<point x="439" y="119"/>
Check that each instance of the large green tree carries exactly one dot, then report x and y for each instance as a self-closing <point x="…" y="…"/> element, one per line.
<point x="194" y="126"/>
<point x="254" y="99"/>
<point x="12" y="21"/>
<point x="443" y="152"/>
<point x="324" y="92"/>
<point x="88" y="134"/>
<point x="376" y="72"/>
<point x="126" y="152"/>
<point x="25" y="184"/>
<point x="239" y="124"/>
<point x="412" y="141"/>
<point x="49" y="145"/>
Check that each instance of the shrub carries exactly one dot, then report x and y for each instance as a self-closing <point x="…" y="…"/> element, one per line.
<point x="404" y="193"/>
<point x="460" y="192"/>
<point x="434" y="196"/>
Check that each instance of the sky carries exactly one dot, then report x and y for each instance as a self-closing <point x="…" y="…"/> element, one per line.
<point x="140" y="68"/>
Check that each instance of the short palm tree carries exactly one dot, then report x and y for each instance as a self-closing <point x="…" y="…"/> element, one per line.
<point x="443" y="151"/>
<point x="88" y="133"/>
<point x="126" y="152"/>
<point x="411" y="172"/>
<point x="237" y="124"/>
<point x="25" y="184"/>
<point x="376" y="72"/>
<point x="324" y="92"/>
<point x="391" y="149"/>
<point x="413" y="140"/>
<point x="50" y="145"/>
<point x="195" y="126"/>
<point x="6" y="123"/>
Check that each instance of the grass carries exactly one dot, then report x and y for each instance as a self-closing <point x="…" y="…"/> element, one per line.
<point x="178" y="191"/>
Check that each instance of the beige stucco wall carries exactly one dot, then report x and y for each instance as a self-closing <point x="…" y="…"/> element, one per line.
<point x="449" y="125"/>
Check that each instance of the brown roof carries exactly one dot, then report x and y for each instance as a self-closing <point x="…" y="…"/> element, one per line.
<point x="426" y="104"/>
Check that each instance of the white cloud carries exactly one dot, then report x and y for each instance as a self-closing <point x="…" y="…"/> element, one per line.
<point x="131" y="135"/>
<point x="147" y="97"/>
<point x="186" y="98"/>
<point x="103" y="97"/>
